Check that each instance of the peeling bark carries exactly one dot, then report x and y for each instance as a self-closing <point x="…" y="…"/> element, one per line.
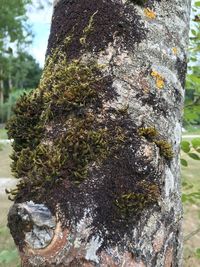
<point x="121" y="205"/>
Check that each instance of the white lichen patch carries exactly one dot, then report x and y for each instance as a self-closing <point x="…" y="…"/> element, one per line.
<point x="92" y="248"/>
<point x="169" y="182"/>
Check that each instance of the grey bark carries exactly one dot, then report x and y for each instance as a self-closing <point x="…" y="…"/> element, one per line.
<point x="147" y="62"/>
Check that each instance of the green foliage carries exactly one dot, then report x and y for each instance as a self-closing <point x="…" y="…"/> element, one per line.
<point x="197" y="252"/>
<point x="184" y="162"/>
<point x="191" y="149"/>
<point x="196" y="144"/>
<point x="191" y="197"/>
<point x="24" y="71"/>
<point x="192" y="99"/>
<point x="185" y="146"/>
<point x="13" y="22"/>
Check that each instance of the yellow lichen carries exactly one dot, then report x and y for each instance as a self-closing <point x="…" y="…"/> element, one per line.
<point x="149" y="13"/>
<point x="159" y="79"/>
<point x="175" y="50"/>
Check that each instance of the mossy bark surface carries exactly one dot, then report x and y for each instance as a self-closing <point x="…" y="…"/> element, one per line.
<point x="96" y="145"/>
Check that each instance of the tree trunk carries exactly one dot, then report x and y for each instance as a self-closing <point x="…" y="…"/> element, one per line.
<point x="96" y="146"/>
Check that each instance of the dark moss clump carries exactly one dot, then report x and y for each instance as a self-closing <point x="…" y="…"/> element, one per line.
<point x="59" y="129"/>
<point x="24" y="127"/>
<point x="153" y="136"/>
<point x="129" y="202"/>
<point x="138" y="2"/>
<point x="149" y="133"/>
<point x="165" y="149"/>
<point x="88" y="20"/>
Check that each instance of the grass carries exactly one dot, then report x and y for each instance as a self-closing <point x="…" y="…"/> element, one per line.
<point x="5" y="161"/>
<point x="190" y="174"/>
<point x="192" y="130"/>
<point x="3" y="134"/>
<point x="6" y="242"/>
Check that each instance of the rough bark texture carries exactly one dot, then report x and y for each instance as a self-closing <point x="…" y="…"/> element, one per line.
<point x="99" y="164"/>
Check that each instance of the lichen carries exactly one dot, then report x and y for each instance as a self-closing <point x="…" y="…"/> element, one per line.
<point x="159" y="79"/>
<point x="175" y="50"/>
<point x="149" y="13"/>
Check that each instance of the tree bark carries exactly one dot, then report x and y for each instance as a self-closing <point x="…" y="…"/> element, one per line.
<point x="96" y="146"/>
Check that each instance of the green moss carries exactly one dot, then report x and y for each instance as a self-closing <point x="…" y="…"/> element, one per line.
<point x="88" y="29"/>
<point x="146" y="194"/>
<point x="151" y="134"/>
<point x="58" y="129"/>
<point x="165" y="149"/>
<point x="24" y="127"/>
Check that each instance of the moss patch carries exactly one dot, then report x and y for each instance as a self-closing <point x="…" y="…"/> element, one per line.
<point x="129" y="202"/>
<point x="152" y="135"/>
<point x="59" y="130"/>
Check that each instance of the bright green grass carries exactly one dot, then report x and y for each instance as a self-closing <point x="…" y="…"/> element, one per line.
<point x="3" y="134"/>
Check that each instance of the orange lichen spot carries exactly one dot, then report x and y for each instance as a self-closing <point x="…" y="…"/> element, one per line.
<point x="149" y="13"/>
<point x="159" y="79"/>
<point x="175" y="50"/>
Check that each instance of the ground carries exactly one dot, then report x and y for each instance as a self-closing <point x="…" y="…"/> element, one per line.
<point x="191" y="215"/>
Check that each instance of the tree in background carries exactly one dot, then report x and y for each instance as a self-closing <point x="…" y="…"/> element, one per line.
<point x="20" y="74"/>
<point x="192" y="100"/>
<point x="18" y="69"/>
<point x="24" y="72"/>
<point x="13" y="29"/>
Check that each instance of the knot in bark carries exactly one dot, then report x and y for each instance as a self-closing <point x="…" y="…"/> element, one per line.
<point x="31" y="224"/>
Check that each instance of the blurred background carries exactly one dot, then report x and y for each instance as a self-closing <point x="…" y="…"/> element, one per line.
<point x="24" y="31"/>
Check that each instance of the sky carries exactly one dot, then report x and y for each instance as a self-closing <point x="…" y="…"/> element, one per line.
<point x="40" y="21"/>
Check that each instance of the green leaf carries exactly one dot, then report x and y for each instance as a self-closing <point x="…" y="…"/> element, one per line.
<point x="194" y="156"/>
<point x="196" y="143"/>
<point x="184" y="162"/>
<point x="193" y="32"/>
<point x="185" y="146"/>
<point x="197" y="4"/>
<point x="197" y="253"/>
<point x="184" y="198"/>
